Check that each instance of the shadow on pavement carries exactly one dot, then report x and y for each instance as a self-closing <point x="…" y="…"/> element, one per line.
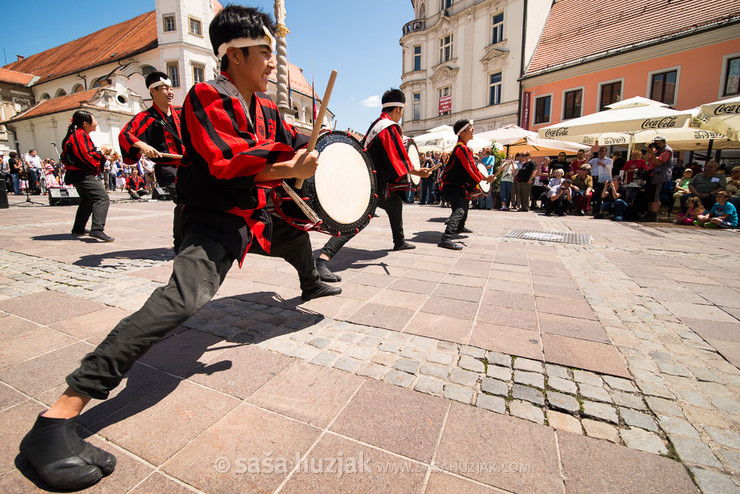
<point x="97" y="260"/>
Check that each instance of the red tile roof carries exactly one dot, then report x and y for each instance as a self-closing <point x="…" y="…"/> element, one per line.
<point x="578" y="29"/>
<point x="297" y="81"/>
<point x="14" y="77"/>
<point x="56" y="105"/>
<point x="101" y="47"/>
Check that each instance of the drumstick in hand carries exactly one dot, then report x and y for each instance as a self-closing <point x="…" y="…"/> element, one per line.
<point x="319" y="119"/>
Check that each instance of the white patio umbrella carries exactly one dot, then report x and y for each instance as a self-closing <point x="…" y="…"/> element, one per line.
<point x="625" y="118"/>
<point x="721" y="116"/>
<point x="519" y="140"/>
<point x="443" y="139"/>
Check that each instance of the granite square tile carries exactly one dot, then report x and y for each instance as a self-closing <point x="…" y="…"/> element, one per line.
<point x="374" y="280"/>
<point x="575" y="308"/>
<point x="558" y="292"/>
<point x="466" y="280"/>
<point x="92" y="324"/>
<point x="508" y="340"/>
<point x="333" y="307"/>
<point x="240" y="370"/>
<point x="426" y="275"/>
<point x="414" y="286"/>
<point x="339" y="465"/>
<point x="157" y="482"/>
<point x="506" y="316"/>
<point x="219" y="459"/>
<point x="160" y="274"/>
<point x="57" y="307"/>
<point x="728" y="331"/>
<point x="9" y="397"/>
<point x="308" y="393"/>
<point x="475" y="436"/>
<point x="592" y="465"/>
<point x="396" y="298"/>
<point x="573" y="327"/>
<point x="500" y="298"/>
<point x="510" y="286"/>
<point x="21" y="340"/>
<point x="458" y="309"/>
<point x="17" y="421"/>
<point x="396" y="419"/>
<point x="444" y="483"/>
<point x="179" y="353"/>
<point x="440" y="327"/>
<point x="357" y="291"/>
<point x="583" y="354"/>
<point x="145" y="427"/>
<point x="468" y="294"/>
<point x="383" y="316"/>
<point x="699" y="311"/>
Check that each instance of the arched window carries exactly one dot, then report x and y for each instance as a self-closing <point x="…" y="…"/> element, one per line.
<point x="60" y="92"/>
<point x="308" y="114"/>
<point x="45" y="96"/>
<point x="100" y="83"/>
<point x="147" y="69"/>
<point x="78" y="88"/>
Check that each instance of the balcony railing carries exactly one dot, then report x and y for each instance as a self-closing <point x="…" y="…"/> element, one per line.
<point x="414" y="26"/>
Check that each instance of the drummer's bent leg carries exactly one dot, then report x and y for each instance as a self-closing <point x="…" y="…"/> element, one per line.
<point x="331" y="247"/>
<point x="197" y="272"/>
<point x="294" y="246"/>
<point x="457" y="204"/>
<point x="393" y="206"/>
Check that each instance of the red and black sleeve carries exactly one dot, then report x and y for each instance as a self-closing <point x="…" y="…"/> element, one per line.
<point x="216" y="125"/>
<point x="398" y="157"/>
<point x="136" y="130"/>
<point x="466" y="159"/>
<point x="84" y="152"/>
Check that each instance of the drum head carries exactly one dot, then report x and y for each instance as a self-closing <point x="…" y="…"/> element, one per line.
<point x="413" y="151"/>
<point x="343" y="190"/>
<point x="485" y="187"/>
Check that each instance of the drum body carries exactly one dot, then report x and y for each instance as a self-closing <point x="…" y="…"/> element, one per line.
<point x="413" y="151"/>
<point x="482" y="187"/>
<point x="342" y="193"/>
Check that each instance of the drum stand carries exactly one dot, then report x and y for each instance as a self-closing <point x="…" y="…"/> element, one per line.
<point x="28" y="197"/>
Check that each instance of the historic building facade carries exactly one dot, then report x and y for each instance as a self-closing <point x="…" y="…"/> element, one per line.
<point x="463" y="59"/>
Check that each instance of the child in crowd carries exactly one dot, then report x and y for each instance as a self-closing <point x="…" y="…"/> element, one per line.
<point x="694" y="208"/>
<point x="722" y="215"/>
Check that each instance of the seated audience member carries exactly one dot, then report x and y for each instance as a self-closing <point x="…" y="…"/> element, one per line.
<point x="705" y="185"/>
<point x="557" y="178"/>
<point x="559" y="198"/>
<point x="733" y="186"/>
<point x="694" y="208"/>
<point x="613" y="199"/>
<point x="583" y="187"/>
<point x="682" y="187"/>
<point x="135" y="185"/>
<point x="722" y="215"/>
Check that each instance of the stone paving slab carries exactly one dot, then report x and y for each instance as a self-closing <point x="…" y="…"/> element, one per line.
<point x="649" y="358"/>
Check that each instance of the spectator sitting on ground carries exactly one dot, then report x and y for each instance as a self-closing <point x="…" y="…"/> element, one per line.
<point x="733" y="186"/>
<point x="583" y="185"/>
<point x="682" y="187"/>
<point x="559" y="198"/>
<point x="135" y="185"/>
<point x="613" y="199"/>
<point x="557" y="178"/>
<point x="722" y="215"/>
<point x="705" y="185"/>
<point x="694" y="209"/>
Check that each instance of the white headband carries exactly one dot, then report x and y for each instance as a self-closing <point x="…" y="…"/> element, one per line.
<point x="391" y="104"/>
<point x="161" y="82"/>
<point x="469" y="124"/>
<point x="268" y="40"/>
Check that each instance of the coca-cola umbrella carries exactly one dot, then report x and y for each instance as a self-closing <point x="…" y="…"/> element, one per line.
<point x="625" y="118"/>
<point x="518" y="140"/>
<point x="721" y="116"/>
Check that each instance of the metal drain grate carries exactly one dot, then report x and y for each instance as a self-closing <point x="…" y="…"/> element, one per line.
<point x="560" y="237"/>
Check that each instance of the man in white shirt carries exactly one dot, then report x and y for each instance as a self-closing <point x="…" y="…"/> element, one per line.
<point x="35" y="168"/>
<point x="601" y="170"/>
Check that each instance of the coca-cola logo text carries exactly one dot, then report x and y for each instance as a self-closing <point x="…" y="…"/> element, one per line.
<point x="660" y="123"/>
<point x="707" y="134"/>
<point x="610" y="141"/>
<point x="551" y="133"/>
<point x="727" y="109"/>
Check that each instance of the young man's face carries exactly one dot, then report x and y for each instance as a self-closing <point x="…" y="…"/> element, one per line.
<point x="162" y="95"/>
<point x="254" y="65"/>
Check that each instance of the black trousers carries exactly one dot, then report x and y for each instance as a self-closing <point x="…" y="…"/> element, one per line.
<point x="93" y="201"/>
<point x="177" y="219"/>
<point x="393" y="206"/>
<point x="459" y="205"/>
<point x="197" y="272"/>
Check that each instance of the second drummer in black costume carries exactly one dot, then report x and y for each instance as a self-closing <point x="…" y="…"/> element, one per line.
<point x="384" y="144"/>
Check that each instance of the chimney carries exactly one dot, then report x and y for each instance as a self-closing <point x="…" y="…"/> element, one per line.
<point x="20" y="57"/>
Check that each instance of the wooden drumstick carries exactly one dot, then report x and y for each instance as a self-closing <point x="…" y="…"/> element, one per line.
<point x="171" y="156"/>
<point x="319" y="119"/>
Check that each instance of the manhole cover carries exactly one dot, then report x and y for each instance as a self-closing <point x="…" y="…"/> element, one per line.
<point x="560" y="237"/>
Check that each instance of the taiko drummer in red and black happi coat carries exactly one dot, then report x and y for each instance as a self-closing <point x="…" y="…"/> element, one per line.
<point x="459" y="176"/>
<point x="153" y="132"/>
<point x="234" y="139"/>
<point x="384" y="144"/>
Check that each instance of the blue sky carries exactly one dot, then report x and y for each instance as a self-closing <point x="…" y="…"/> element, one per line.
<point x="358" y="39"/>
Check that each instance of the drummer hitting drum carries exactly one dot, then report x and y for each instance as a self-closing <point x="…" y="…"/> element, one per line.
<point x="384" y="144"/>
<point x="459" y="176"/>
<point x="234" y="138"/>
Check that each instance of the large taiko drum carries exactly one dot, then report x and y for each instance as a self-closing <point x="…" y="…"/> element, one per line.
<point x="342" y="193"/>
<point x="483" y="187"/>
<point x="413" y="150"/>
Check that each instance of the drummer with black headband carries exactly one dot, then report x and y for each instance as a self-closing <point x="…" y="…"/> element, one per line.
<point x="234" y="138"/>
<point x="458" y="177"/>
<point x="384" y="144"/>
<point x="155" y="131"/>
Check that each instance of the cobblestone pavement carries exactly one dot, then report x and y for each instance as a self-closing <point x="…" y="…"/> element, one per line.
<point x="632" y="340"/>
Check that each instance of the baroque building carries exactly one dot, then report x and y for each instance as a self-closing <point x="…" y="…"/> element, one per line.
<point x="463" y="59"/>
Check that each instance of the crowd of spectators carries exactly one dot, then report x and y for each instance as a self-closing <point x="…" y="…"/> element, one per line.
<point x="34" y="175"/>
<point x="604" y="185"/>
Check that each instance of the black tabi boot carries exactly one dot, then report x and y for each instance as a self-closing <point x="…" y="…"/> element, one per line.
<point x="325" y="273"/>
<point x="61" y="458"/>
<point x="320" y="290"/>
